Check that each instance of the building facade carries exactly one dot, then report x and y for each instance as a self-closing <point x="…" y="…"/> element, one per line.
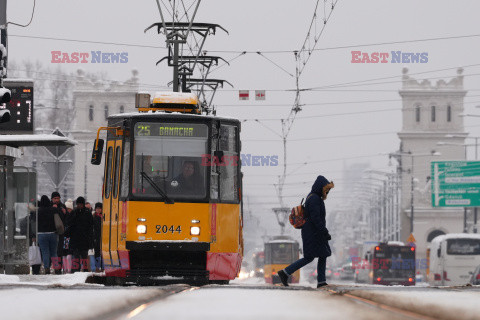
<point x="94" y="102"/>
<point x="432" y="130"/>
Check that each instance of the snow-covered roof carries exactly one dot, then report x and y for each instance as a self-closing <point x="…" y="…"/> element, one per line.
<point x="282" y="241"/>
<point x="395" y="243"/>
<point x="25" y="140"/>
<point x="7" y="80"/>
<point x="456" y="236"/>
<point x="167" y="115"/>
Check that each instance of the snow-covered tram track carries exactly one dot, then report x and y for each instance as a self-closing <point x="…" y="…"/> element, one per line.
<point x="415" y="302"/>
<point x="379" y="305"/>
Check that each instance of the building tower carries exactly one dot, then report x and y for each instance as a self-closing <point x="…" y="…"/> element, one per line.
<point x="432" y="131"/>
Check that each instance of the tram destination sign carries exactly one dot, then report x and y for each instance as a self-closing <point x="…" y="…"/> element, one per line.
<point x="456" y="183"/>
<point x="179" y="130"/>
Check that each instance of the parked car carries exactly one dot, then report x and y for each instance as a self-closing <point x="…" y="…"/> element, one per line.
<point x="347" y="272"/>
<point x="475" y="279"/>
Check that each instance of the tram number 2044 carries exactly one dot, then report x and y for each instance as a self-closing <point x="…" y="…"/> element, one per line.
<point x="166" y="229"/>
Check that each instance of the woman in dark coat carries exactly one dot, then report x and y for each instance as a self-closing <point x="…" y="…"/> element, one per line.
<point x="47" y="236"/>
<point x="315" y="234"/>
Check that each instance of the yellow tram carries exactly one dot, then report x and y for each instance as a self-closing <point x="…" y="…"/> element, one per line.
<point x="279" y="253"/>
<point x="172" y="193"/>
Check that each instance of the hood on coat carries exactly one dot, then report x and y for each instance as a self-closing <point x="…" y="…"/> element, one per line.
<point x="322" y="186"/>
<point x="44" y="202"/>
<point x="319" y="184"/>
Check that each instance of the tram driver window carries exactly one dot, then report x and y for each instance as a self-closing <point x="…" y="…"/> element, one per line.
<point x="168" y="158"/>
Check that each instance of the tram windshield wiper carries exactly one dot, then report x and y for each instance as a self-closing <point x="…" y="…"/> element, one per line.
<point x="157" y="188"/>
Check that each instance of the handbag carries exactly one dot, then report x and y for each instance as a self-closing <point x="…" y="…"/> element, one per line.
<point x="34" y="255"/>
<point x="59" y="224"/>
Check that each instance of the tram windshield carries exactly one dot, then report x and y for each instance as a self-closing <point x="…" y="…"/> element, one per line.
<point x="280" y="253"/>
<point x="168" y="158"/>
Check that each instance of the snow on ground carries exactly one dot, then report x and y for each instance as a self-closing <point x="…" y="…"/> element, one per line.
<point x="441" y="304"/>
<point x="66" y="280"/>
<point x="39" y="304"/>
<point x="239" y="303"/>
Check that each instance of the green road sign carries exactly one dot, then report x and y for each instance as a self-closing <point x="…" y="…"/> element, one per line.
<point x="456" y="183"/>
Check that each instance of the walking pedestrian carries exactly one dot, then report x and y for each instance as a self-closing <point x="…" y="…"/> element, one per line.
<point x="97" y="236"/>
<point x="81" y="234"/>
<point x="47" y="236"/>
<point x="315" y="234"/>
<point x="62" y="213"/>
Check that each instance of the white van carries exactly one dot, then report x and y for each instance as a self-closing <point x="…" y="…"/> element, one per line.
<point x="452" y="259"/>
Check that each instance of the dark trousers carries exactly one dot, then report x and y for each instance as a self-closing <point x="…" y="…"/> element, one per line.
<point x="79" y="260"/>
<point x="321" y="265"/>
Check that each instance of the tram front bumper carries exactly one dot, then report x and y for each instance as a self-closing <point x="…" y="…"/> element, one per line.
<point x="168" y="260"/>
<point x="168" y="246"/>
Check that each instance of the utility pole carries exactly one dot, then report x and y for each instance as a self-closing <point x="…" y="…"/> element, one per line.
<point x="3" y="37"/>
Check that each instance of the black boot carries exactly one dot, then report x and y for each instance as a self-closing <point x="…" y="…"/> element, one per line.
<point x="322" y="284"/>
<point x="283" y="277"/>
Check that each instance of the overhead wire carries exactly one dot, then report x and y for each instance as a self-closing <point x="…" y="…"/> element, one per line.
<point x="31" y="18"/>
<point x="245" y="51"/>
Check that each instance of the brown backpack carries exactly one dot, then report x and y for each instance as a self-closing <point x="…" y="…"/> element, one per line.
<point x="298" y="216"/>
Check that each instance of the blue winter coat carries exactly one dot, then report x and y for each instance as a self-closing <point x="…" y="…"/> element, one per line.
<point x="314" y="231"/>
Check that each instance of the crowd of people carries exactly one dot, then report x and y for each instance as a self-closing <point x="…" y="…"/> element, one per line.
<point x="68" y="234"/>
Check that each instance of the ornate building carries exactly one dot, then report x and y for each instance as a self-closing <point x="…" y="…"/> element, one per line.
<point x="432" y="131"/>
<point x="94" y="102"/>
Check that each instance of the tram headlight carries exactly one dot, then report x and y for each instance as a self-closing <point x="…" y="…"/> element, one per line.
<point x="141" y="228"/>
<point x="195" y="231"/>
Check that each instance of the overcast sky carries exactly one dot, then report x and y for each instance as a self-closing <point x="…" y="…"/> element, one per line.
<point x="268" y="25"/>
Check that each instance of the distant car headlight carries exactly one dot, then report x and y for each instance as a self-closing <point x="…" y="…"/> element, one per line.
<point x="141" y="228"/>
<point x="195" y="231"/>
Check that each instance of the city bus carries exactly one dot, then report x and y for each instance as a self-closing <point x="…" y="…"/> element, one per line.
<point x="390" y="263"/>
<point x="279" y="253"/>
<point x="172" y="193"/>
<point x="453" y="258"/>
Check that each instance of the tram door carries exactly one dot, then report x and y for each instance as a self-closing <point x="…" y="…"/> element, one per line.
<point x="110" y="201"/>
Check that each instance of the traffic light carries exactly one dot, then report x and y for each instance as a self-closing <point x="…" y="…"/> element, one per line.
<point x="4" y="116"/>
<point x="5" y="95"/>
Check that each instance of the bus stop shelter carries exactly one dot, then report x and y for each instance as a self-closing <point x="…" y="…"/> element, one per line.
<point x="18" y="195"/>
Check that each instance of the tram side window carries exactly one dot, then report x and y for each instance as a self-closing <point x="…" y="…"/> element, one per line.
<point x="125" y="170"/>
<point x="108" y="172"/>
<point x="213" y="169"/>
<point x="229" y="172"/>
<point x="116" y="172"/>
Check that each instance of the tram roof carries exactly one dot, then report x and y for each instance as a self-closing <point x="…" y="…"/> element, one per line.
<point x="173" y="115"/>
